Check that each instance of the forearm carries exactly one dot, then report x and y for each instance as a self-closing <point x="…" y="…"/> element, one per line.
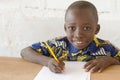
<point x="115" y="61"/>
<point x="109" y="59"/>
<point x="100" y="63"/>
<point x="32" y="56"/>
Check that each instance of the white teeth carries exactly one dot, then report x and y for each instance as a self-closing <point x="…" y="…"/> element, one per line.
<point x="78" y="42"/>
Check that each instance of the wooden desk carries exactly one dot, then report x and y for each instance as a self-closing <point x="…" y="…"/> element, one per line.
<point x="18" y="69"/>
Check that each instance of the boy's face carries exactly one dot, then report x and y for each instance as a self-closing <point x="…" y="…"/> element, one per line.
<point x="80" y="27"/>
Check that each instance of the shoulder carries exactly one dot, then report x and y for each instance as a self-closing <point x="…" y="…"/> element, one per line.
<point x="108" y="46"/>
<point x="101" y="42"/>
<point x="58" y="41"/>
<point x="50" y="42"/>
<point x="104" y="47"/>
<point x="105" y="43"/>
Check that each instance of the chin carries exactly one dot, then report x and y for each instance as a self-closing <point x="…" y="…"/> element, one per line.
<point x="79" y="47"/>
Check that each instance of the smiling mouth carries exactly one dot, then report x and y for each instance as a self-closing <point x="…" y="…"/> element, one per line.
<point x="79" y="42"/>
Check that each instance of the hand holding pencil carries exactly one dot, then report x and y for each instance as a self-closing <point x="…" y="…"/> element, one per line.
<point x="54" y="64"/>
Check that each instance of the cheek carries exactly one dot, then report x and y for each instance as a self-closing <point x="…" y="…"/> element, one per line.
<point x="69" y="33"/>
<point x="90" y="37"/>
<point x="70" y="36"/>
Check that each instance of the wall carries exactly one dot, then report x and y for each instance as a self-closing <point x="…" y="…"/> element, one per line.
<point x="23" y="22"/>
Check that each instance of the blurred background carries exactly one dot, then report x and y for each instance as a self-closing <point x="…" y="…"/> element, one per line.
<point x="23" y="22"/>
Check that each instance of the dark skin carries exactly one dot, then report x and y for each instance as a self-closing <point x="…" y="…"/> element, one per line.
<point x="33" y="56"/>
<point x="80" y="27"/>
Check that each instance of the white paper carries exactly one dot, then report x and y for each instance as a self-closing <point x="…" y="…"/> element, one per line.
<point x="73" y="71"/>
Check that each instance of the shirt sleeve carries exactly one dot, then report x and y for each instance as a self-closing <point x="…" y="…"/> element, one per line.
<point x="54" y="44"/>
<point x="40" y="48"/>
<point x="112" y="50"/>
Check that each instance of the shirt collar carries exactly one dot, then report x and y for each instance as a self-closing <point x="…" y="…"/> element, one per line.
<point x="90" y="49"/>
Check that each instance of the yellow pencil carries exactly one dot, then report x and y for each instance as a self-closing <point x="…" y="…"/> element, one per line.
<point x="52" y="53"/>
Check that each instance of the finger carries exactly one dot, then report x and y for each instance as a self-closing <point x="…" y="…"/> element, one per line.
<point x="54" y="66"/>
<point x="87" y="64"/>
<point x="52" y="61"/>
<point x="55" y="69"/>
<point x="95" y="69"/>
<point x="59" y="67"/>
<point x="55" y="62"/>
<point x="90" y="66"/>
<point x="101" y="69"/>
<point x="62" y="65"/>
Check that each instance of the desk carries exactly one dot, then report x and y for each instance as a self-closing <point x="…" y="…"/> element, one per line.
<point x="12" y="68"/>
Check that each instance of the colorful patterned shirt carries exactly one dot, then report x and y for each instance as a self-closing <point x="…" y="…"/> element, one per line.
<point x="64" y="50"/>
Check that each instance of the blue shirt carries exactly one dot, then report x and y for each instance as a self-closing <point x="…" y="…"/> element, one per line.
<point x="64" y="50"/>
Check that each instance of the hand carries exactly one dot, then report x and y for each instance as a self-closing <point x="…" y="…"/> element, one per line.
<point x="55" y="66"/>
<point x="100" y="63"/>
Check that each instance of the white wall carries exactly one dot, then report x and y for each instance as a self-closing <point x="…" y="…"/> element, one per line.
<point x="23" y="22"/>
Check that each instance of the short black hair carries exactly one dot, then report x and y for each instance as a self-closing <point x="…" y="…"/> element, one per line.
<point x="83" y="5"/>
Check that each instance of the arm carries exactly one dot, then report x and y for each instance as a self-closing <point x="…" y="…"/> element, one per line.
<point x="33" y="56"/>
<point x="100" y="63"/>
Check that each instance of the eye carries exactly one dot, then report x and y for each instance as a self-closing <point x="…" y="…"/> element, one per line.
<point x="71" y="28"/>
<point x="87" y="28"/>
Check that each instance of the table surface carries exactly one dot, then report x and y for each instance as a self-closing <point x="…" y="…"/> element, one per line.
<point x="13" y="68"/>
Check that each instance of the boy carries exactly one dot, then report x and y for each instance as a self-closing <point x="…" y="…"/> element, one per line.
<point x="80" y="44"/>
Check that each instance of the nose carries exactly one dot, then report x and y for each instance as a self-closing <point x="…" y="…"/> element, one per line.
<point x="78" y="33"/>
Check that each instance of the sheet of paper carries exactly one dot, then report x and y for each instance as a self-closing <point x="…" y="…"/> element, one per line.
<point x="73" y="71"/>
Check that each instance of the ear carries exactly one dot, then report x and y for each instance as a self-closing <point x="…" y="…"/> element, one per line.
<point x="97" y="29"/>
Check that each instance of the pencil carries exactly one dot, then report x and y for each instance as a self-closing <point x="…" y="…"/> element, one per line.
<point x="51" y="52"/>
